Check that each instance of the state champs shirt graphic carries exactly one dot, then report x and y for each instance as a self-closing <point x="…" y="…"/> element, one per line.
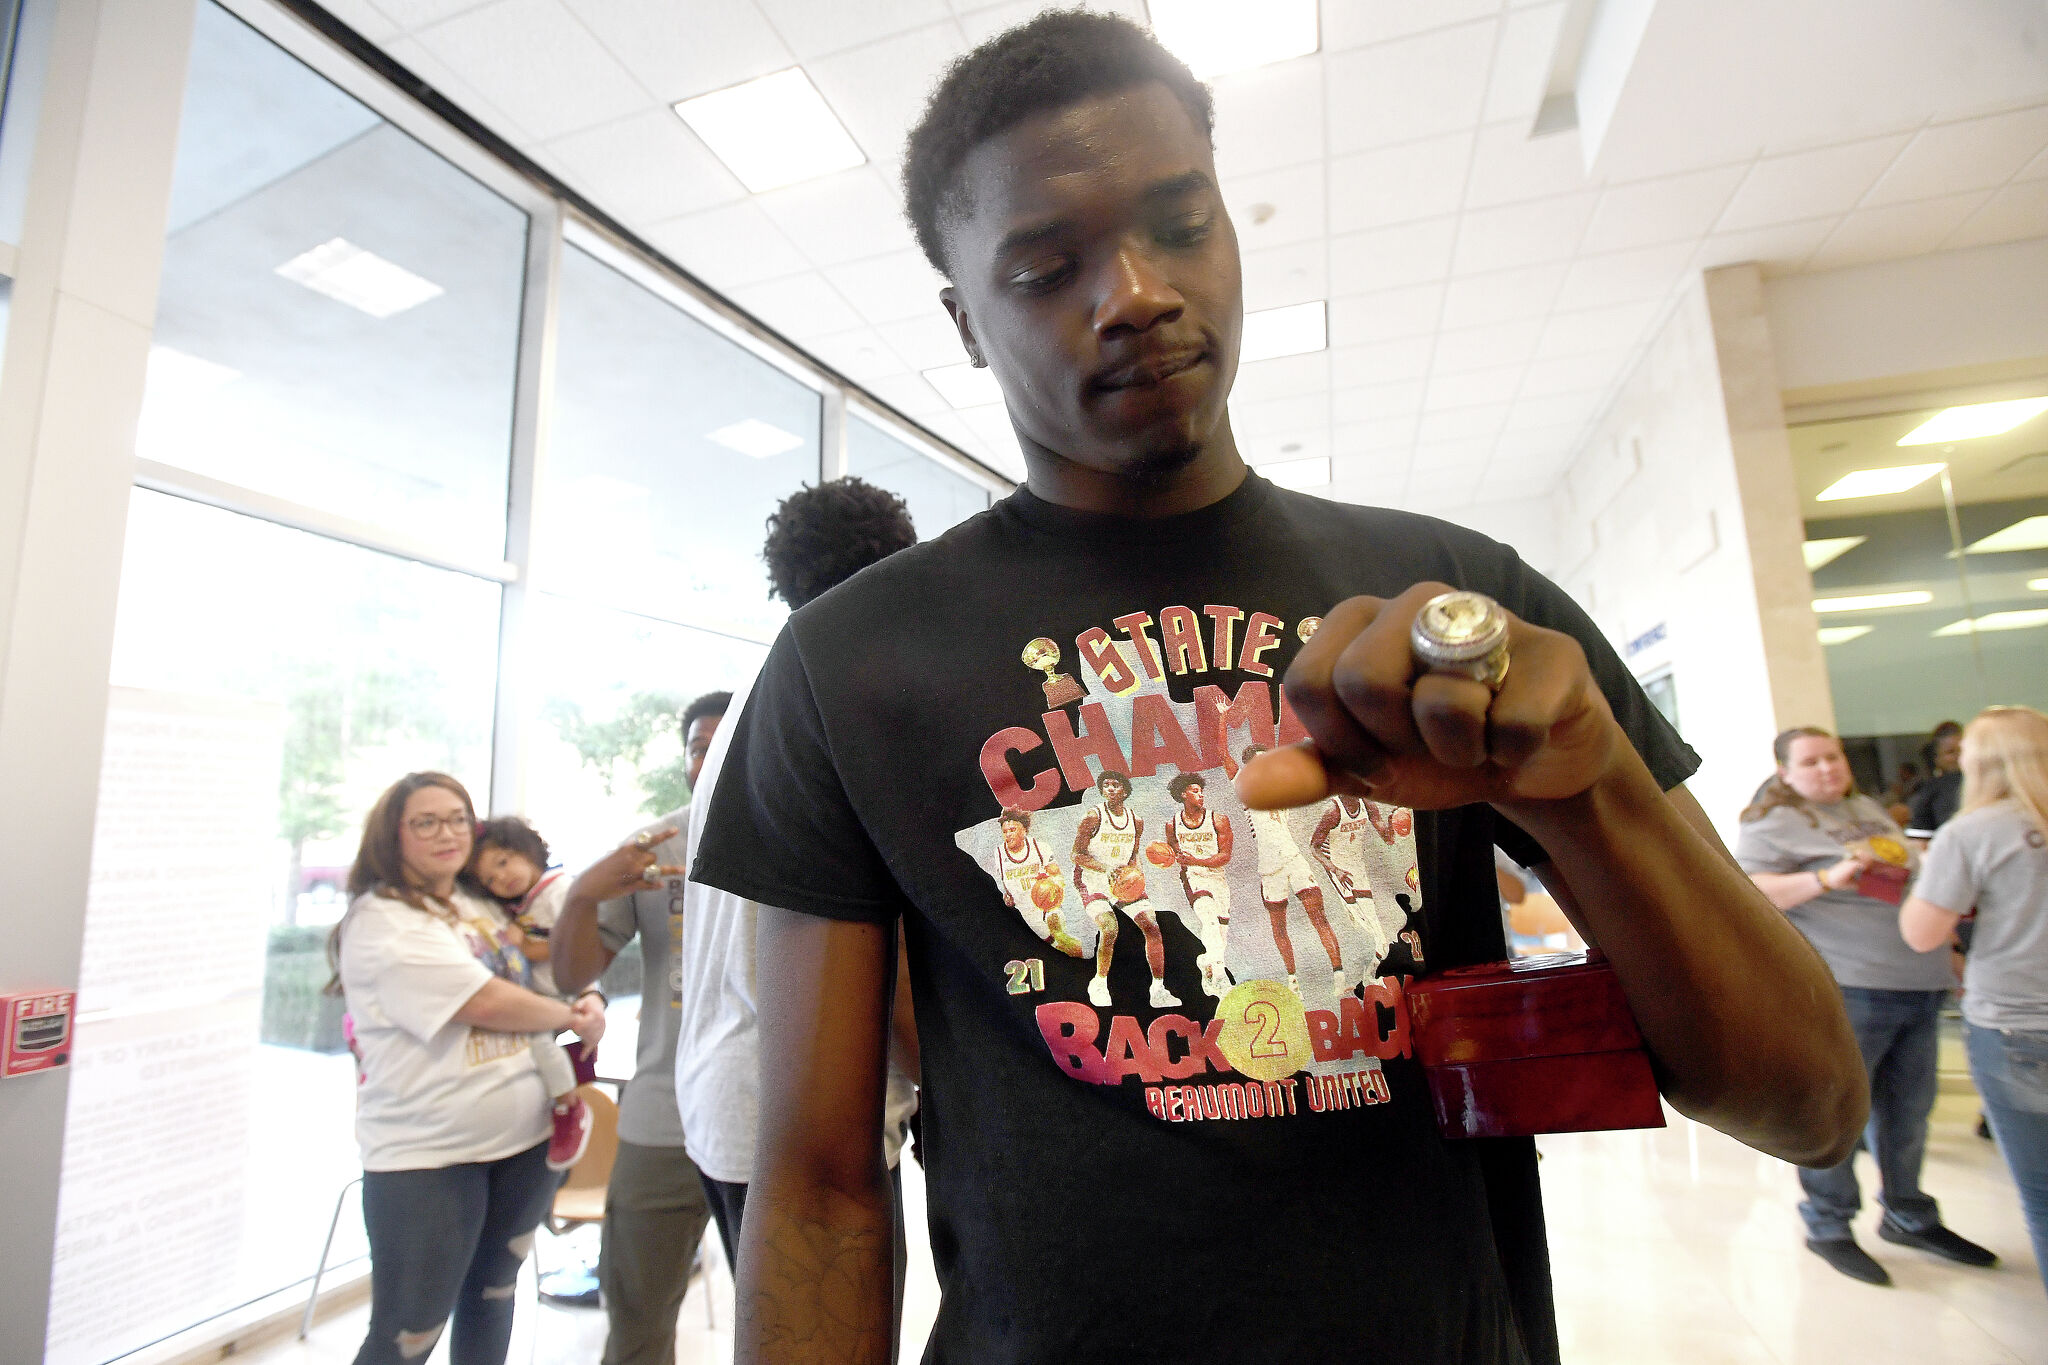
<point x="1258" y="955"/>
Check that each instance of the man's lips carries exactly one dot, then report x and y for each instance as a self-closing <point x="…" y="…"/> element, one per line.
<point x="1151" y="370"/>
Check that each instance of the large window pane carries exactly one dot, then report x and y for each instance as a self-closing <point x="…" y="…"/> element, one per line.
<point x="670" y="445"/>
<point x="938" y="498"/>
<point x="339" y="315"/>
<point x="268" y="685"/>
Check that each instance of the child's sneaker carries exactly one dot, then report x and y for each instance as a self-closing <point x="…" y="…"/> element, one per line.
<point x="571" y="1134"/>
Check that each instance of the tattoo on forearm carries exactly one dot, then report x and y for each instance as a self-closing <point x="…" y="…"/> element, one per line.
<point x="818" y="1292"/>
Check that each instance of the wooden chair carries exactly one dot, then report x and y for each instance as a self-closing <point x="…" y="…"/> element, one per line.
<point x="580" y="1200"/>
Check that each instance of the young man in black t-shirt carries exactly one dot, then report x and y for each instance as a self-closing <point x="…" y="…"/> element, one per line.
<point x="1256" y="1176"/>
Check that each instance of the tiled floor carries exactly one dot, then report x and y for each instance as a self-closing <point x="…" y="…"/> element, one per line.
<point x="1675" y="1245"/>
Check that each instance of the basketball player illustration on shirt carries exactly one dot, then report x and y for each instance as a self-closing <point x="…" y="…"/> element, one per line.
<point x="1106" y="868"/>
<point x="1339" y="843"/>
<point x="1200" y="842"/>
<point x="1031" y="882"/>
<point x="1284" y="871"/>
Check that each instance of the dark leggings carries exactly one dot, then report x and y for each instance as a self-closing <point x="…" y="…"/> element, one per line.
<point x="448" y="1242"/>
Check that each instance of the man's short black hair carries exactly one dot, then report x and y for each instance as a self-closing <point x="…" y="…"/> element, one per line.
<point x="1178" y="788"/>
<point x="820" y="537"/>
<point x="710" y="704"/>
<point x="1057" y="59"/>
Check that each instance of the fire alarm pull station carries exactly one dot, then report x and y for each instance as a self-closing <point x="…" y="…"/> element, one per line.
<point x="38" y="1031"/>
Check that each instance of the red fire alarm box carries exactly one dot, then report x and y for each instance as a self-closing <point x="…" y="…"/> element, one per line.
<point x="38" y="1033"/>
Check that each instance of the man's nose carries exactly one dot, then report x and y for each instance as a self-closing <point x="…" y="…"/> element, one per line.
<point x="1136" y="294"/>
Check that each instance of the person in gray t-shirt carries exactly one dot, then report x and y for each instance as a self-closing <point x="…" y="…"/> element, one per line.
<point x="1992" y="859"/>
<point x="655" y="1211"/>
<point x="1810" y="842"/>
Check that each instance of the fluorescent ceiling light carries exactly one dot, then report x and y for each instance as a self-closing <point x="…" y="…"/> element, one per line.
<point x="1870" y="483"/>
<point x="1973" y="420"/>
<point x="1999" y="620"/>
<point x="174" y="372"/>
<point x="2038" y="584"/>
<point x="773" y="131"/>
<point x="965" y="386"/>
<point x="1819" y="552"/>
<point x="1872" y="601"/>
<point x="361" y="279"/>
<point x="1274" y="332"/>
<point x="756" y="438"/>
<point x="1842" y="635"/>
<point x="2030" y="534"/>
<point x="1216" y="37"/>
<point x="1313" y="472"/>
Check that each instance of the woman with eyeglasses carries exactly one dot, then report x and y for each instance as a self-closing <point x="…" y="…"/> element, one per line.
<point x="452" y="1111"/>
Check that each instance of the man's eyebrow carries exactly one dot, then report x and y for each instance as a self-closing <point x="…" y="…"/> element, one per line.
<point x="1187" y="182"/>
<point x="1030" y="236"/>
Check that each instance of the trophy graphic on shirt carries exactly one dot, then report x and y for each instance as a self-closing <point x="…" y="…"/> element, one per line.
<point x="1060" y="688"/>
<point x="1307" y="629"/>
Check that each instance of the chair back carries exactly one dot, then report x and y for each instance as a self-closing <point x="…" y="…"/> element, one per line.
<point x="593" y="1170"/>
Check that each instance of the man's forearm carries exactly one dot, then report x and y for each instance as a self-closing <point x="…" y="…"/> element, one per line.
<point x="817" y="1269"/>
<point x="579" y="954"/>
<point x="1743" y="1018"/>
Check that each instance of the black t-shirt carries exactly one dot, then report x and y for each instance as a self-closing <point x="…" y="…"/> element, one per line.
<point x="1252" y="1173"/>
<point x="1935" y="804"/>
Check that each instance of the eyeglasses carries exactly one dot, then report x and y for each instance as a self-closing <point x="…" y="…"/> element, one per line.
<point x="427" y="826"/>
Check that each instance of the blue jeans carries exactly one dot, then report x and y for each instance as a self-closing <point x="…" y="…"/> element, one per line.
<point x="2011" y="1071"/>
<point x="1896" y="1031"/>
<point x="448" y="1242"/>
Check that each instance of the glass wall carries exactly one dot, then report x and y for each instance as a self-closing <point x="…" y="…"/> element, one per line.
<point x="938" y="498"/>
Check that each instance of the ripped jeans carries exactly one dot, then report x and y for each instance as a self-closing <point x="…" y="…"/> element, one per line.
<point x="449" y="1242"/>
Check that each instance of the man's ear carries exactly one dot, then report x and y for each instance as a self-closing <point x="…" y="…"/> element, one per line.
<point x="958" y="312"/>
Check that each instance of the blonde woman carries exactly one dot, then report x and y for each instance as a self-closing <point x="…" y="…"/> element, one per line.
<point x="1809" y="841"/>
<point x="1991" y="860"/>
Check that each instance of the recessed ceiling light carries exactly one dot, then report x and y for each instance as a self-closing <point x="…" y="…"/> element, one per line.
<point x="1313" y="472"/>
<point x="1870" y="483"/>
<point x="1973" y="420"/>
<point x="756" y="438"/>
<point x="965" y="386"/>
<point x="1274" y="332"/>
<point x="1842" y="635"/>
<point x="772" y="131"/>
<point x="361" y="279"/>
<point x="1217" y="37"/>
<point x="2028" y="534"/>
<point x="172" y="371"/>
<point x="1999" y="620"/>
<point x="1872" y="601"/>
<point x="2038" y="584"/>
<point x="1819" y="552"/>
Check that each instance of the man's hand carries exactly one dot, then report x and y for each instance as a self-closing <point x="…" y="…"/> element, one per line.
<point x="624" y="870"/>
<point x="1383" y="728"/>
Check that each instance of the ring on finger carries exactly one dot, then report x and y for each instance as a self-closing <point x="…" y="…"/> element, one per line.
<point x="1463" y="634"/>
<point x="643" y="840"/>
<point x="651" y="874"/>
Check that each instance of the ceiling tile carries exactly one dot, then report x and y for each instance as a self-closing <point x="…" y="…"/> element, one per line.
<point x="1545" y="445"/>
<point x="1442" y="462"/>
<point x="1355" y="23"/>
<point x="366" y="19"/>
<point x="646" y="167"/>
<point x="419" y="13"/>
<point x="925" y="343"/>
<point x="1624" y="276"/>
<point x="1295" y="196"/>
<point x="2036" y="169"/>
<point x="408" y="53"/>
<point x="1386" y="258"/>
<point x="812" y="28"/>
<point x="1786" y="189"/>
<point x="1269" y="117"/>
<point x="530" y="59"/>
<point x="879" y="90"/>
<point x="1473" y="388"/>
<point x="860" y="355"/>
<point x="1596" y="329"/>
<point x="1375" y="436"/>
<point x="727" y="247"/>
<point x="908" y="394"/>
<point x="1950" y="158"/>
<point x="1501" y="296"/>
<point x="1306" y="444"/>
<point x="1263" y="417"/>
<point x="844" y="217"/>
<point x="1483" y="348"/>
<point x="1396" y="184"/>
<point x="2015" y="213"/>
<point x="985" y="21"/>
<point x="1293" y="376"/>
<point x="1482" y="422"/>
<point x="1363" y="319"/>
<point x="1896" y="230"/>
<point x="1670" y="209"/>
<point x="889" y="288"/>
<point x="677" y="51"/>
<point x="1379" y="402"/>
<point x="1521" y="234"/>
<point x="1509" y="165"/>
<point x="991" y="422"/>
<point x="1780" y="250"/>
<point x="1281" y="275"/>
<point x="1521" y="65"/>
<point x="1412" y="88"/>
<point x="1572" y="373"/>
<point x="1382" y="363"/>
<point x="798" y="306"/>
<point x="1534" y="413"/>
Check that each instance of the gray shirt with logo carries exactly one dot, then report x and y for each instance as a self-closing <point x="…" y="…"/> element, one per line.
<point x="1995" y="860"/>
<point x="647" y="1111"/>
<point x="1856" y="935"/>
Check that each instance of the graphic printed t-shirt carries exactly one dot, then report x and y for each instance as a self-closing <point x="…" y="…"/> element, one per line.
<point x="1995" y="860"/>
<point x="647" y="1110"/>
<point x="1252" y="1175"/>
<point x="1856" y="935"/>
<point x="434" y="1092"/>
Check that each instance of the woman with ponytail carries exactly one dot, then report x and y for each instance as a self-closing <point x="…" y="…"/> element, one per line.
<point x="1991" y="860"/>
<point x="1833" y="860"/>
